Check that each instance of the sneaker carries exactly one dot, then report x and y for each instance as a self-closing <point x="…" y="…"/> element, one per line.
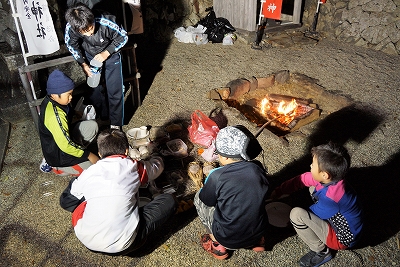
<point x="260" y="246"/>
<point x="216" y="249"/>
<point x="44" y="167"/>
<point x="115" y="127"/>
<point x="315" y="259"/>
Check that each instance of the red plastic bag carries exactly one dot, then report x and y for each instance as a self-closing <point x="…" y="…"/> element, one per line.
<point x="203" y="130"/>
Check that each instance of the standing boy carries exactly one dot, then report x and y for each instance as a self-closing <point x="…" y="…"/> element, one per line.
<point x="104" y="199"/>
<point x="334" y="220"/>
<point x="231" y="204"/>
<point x="64" y="150"/>
<point x="100" y="38"/>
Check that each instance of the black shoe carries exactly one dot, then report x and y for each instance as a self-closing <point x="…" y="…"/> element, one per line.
<point x="315" y="259"/>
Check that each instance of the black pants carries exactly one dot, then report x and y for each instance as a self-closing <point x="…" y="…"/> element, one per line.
<point x="152" y="216"/>
<point x="114" y="103"/>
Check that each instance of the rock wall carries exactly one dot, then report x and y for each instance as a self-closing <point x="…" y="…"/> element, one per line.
<point x="369" y="23"/>
<point x="373" y="24"/>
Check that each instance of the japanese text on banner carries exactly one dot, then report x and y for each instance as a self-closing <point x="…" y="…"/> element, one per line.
<point x="38" y="27"/>
<point x="272" y="9"/>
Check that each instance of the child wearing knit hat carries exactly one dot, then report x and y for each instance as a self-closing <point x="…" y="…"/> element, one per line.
<point x="231" y="203"/>
<point x="64" y="151"/>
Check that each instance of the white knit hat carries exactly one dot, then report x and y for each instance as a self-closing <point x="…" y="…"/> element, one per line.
<point x="237" y="142"/>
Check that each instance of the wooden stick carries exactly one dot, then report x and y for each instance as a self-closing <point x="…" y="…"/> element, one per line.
<point x="264" y="125"/>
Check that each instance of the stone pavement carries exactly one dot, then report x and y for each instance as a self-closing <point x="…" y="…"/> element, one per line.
<point x="35" y="231"/>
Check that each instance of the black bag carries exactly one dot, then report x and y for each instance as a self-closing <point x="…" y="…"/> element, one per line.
<point x="208" y="20"/>
<point x="221" y="27"/>
<point x="216" y="27"/>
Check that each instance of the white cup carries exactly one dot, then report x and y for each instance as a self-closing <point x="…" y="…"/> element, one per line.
<point x="143" y="131"/>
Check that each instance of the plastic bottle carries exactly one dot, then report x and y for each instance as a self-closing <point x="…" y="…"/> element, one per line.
<point x="229" y="39"/>
<point x="95" y="68"/>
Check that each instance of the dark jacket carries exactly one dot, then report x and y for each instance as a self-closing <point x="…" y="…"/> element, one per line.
<point x="58" y="148"/>
<point x="107" y="36"/>
<point x="238" y="192"/>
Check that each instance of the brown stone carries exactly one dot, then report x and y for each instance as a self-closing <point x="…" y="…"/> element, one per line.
<point x="238" y="88"/>
<point x="253" y="83"/>
<point x="282" y="77"/>
<point x="266" y="82"/>
<point x="224" y="92"/>
<point x="219" y="93"/>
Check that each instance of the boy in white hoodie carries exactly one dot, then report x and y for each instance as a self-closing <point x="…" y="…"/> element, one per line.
<point x="104" y="199"/>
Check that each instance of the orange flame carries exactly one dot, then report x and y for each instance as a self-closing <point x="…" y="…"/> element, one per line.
<point x="265" y="106"/>
<point x="287" y="108"/>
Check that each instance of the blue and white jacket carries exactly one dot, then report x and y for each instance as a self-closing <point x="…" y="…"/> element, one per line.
<point x="107" y="36"/>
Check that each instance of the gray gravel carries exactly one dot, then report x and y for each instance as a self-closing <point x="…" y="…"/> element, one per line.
<point x="35" y="231"/>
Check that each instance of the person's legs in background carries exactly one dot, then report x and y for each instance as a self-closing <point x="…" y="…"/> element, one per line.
<point x="135" y="28"/>
<point x="85" y="132"/>
<point x="114" y="85"/>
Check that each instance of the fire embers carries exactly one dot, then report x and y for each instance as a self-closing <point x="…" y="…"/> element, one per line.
<point x="286" y="111"/>
<point x="286" y="100"/>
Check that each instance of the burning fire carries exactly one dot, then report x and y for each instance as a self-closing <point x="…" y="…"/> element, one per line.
<point x="265" y="106"/>
<point x="287" y="108"/>
<point x="284" y="111"/>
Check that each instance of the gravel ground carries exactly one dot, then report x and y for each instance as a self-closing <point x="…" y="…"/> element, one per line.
<point x="35" y="231"/>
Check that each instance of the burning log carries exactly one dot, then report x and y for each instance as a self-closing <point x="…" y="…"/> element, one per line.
<point x="283" y="99"/>
<point x="280" y="113"/>
<point x="286" y="98"/>
<point x="299" y="122"/>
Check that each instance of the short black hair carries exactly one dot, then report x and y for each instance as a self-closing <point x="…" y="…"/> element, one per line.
<point x="112" y="142"/>
<point x="80" y="17"/>
<point x="333" y="159"/>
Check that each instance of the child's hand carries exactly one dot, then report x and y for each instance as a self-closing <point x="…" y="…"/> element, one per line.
<point x="86" y="69"/>
<point x="93" y="158"/>
<point x="102" y="56"/>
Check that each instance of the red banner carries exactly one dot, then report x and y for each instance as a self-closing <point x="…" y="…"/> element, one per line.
<point x="272" y="9"/>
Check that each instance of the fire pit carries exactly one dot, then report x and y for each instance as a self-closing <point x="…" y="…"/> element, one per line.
<point x="283" y="102"/>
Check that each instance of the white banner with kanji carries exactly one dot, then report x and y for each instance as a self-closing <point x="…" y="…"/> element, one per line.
<point x="38" y="27"/>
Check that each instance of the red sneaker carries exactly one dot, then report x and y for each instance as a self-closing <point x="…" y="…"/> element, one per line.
<point x="216" y="249"/>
